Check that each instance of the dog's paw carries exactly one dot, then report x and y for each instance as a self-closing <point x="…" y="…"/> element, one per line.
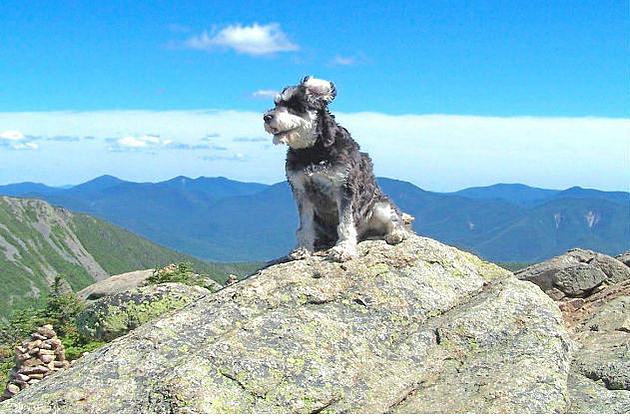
<point x="299" y="253"/>
<point x="340" y="253"/>
<point x="396" y="236"/>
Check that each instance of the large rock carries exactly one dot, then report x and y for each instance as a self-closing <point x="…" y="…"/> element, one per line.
<point x="416" y="327"/>
<point x="599" y="380"/>
<point x="577" y="273"/>
<point x="116" y="315"/>
<point x="115" y="284"/>
<point x="624" y="258"/>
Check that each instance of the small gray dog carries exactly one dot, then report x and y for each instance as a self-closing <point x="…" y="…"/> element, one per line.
<point x="338" y="199"/>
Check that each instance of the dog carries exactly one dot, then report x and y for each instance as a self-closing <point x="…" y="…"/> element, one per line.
<point x="338" y="199"/>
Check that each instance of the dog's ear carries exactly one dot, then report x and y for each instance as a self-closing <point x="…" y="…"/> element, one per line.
<point x="319" y="90"/>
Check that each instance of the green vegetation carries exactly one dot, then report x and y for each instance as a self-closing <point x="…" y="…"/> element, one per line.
<point x="60" y="310"/>
<point x="38" y="241"/>
<point x="117" y="250"/>
<point x="181" y="273"/>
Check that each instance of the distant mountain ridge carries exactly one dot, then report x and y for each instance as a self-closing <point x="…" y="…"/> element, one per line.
<point x="530" y="196"/>
<point x="39" y="241"/>
<point x="225" y="220"/>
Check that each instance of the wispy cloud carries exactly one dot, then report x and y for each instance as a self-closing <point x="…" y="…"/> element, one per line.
<point x="29" y="145"/>
<point x="146" y="141"/>
<point x="210" y="137"/>
<point x="355" y="60"/>
<point x="16" y="140"/>
<point x="250" y="139"/>
<point x="235" y="156"/>
<point x="344" y="61"/>
<point x="65" y="138"/>
<point x="264" y="93"/>
<point x="153" y="142"/>
<point x="255" y="40"/>
<point x="130" y="141"/>
<point x="187" y="146"/>
<point x="12" y="135"/>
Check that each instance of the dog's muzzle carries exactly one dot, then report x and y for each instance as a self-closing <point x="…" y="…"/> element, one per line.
<point x="270" y="128"/>
<point x="268" y="119"/>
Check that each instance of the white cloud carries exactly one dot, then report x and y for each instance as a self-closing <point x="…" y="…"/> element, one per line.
<point x="63" y="138"/>
<point x="265" y="94"/>
<point x="253" y="40"/>
<point x="211" y="137"/>
<point x="435" y="152"/>
<point x="12" y="135"/>
<point x="450" y="152"/>
<point x="130" y="141"/>
<point x="16" y="140"/>
<point x="354" y="60"/>
<point x="25" y="146"/>
<point x="138" y="142"/>
<point x="344" y="61"/>
<point x="149" y="139"/>
<point x="224" y="158"/>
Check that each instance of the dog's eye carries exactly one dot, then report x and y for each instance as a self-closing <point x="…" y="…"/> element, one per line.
<point x="296" y="106"/>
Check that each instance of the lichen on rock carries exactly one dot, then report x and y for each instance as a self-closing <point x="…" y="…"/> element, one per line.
<point x="577" y="273"/>
<point x="115" y="315"/>
<point x="599" y="380"/>
<point x="416" y="327"/>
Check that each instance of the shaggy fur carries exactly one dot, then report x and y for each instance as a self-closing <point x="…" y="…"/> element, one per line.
<point x="338" y="198"/>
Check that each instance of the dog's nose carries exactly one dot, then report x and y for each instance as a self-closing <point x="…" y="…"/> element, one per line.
<point x="267" y="118"/>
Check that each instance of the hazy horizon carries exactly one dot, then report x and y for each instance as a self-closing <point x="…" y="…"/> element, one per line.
<point x="435" y="152"/>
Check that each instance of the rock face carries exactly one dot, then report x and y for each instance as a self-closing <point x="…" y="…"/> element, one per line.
<point x="115" y="284"/>
<point x="599" y="381"/>
<point x="115" y="315"/>
<point x="416" y="327"/>
<point x="577" y="273"/>
<point x="624" y="258"/>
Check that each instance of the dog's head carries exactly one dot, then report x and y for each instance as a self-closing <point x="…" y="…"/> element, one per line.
<point x="294" y="119"/>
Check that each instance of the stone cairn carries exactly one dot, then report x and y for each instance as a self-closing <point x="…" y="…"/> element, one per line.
<point x="35" y="359"/>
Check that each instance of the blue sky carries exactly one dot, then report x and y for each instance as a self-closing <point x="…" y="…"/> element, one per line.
<point x="448" y="83"/>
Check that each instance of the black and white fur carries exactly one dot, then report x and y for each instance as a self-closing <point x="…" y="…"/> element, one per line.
<point x="338" y="199"/>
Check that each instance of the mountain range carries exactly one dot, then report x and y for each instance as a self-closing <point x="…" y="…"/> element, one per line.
<point x="225" y="220"/>
<point x="39" y="242"/>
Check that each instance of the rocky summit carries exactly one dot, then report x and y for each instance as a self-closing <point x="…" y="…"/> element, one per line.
<point x="599" y="380"/>
<point x="419" y="327"/>
<point x="576" y="273"/>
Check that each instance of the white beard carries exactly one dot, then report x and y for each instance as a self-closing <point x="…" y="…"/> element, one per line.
<point x="295" y="131"/>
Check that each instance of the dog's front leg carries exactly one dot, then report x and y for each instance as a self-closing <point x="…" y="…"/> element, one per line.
<point x="346" y="246"/>
<point x="306" y="232"/>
